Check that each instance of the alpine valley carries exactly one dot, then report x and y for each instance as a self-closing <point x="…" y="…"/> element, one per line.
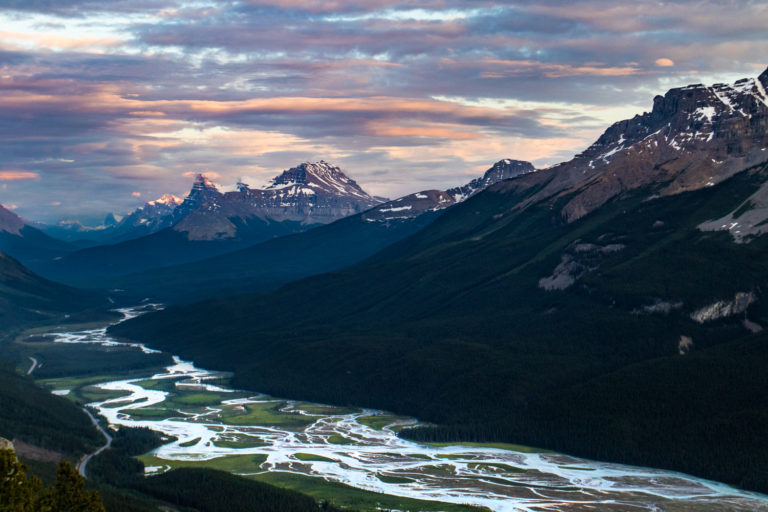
<point x="609" y="307"/>
<point x="309" y="346"/>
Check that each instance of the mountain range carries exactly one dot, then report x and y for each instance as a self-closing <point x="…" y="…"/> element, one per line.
<point x="208" y="222"/>
<point x="610" y="306"/>
<point x="330" y="247"/>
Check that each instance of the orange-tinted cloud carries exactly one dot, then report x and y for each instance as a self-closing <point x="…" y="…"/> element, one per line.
<point x="14" y="175"/>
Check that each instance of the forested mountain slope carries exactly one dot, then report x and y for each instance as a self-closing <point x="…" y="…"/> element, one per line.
<point x="594" y="308"/>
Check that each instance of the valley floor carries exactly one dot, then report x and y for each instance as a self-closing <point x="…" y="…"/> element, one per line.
<point x="351" y="457"/>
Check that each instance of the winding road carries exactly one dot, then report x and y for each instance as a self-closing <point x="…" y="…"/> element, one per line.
<point x="84" y="462"/>
<point x="34" y="365"/>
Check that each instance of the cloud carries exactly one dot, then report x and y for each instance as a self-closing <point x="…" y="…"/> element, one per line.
<point x="104" y="98"/>
<point x="136" y="194"/>
<point x="207" y="174"/>
<point x="10" y="206"/>
<point x="14" y="175"/>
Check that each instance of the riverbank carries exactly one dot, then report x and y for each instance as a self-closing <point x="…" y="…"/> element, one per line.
<point x="270" y="438"/>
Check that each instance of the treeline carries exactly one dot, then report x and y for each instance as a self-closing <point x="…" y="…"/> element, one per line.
<point x="64" y="360"/>
<point x="208" y="490"/>
<point x="20" y="492"/>
<point x="35" y="416"/>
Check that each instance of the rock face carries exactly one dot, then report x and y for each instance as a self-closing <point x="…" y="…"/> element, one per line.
<point x="5" y="444"/>
<point x="501" y="170"/>
<point x="153" y="216"/>
<point x="724" y="308"/>
<point x="9" y="221"/>
<point x="695" y="136"/>
<point x="746" y="222"/>
<point x="310" y="193"/>
<point x="413" y="205"/>
<point x="203" y="191"/>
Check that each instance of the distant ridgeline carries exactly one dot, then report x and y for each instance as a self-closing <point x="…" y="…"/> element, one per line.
<point x="206" y="223"/>
<point x="611" y="306"/>
<point x="270" y="264"/>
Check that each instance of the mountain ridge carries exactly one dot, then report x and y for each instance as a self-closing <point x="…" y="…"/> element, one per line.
<point x="344" y="242"/>
<point x="208" y="223"/>
<point x="458" y="326"/>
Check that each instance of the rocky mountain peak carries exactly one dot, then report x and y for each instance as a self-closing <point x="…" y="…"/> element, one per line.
<point x="167" y="199"/>
<point x="693" y="137"/>
<point x="9" y="221"/>
<point x="310" y="178"/>
<point x="310" y="193"/>
<point x="203" y="191"/>
<point x="414" y="205"/>
<point x="688" y="116"/>
<point x="502" y="170"/>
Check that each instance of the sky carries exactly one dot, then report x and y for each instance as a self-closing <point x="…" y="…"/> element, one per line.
<point x="107" y="104"/>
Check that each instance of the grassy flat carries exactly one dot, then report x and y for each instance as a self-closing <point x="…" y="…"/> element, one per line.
<point x="238" y="464"/>
<point x="93" y="394"/>
<point x="237" y="442"/>
<point x="311" y="457"/>
<point x="337" y="439"/>
<point x="152" y="413"/>
<point x="266" y="414"/>
<point x="326" y="410"/>
<point x="389" y="479"/>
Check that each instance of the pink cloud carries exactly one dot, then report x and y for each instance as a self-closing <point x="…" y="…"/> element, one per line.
<point x="14" y="174"/>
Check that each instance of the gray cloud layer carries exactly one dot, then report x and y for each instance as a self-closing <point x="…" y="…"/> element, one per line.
<point x="99" y="100"/>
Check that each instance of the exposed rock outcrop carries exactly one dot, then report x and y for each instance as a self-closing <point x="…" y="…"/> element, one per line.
<point x="310" y="193"/>
<point x="694" y="137"/>
<point x="413" y="205"/>
<point x="724" y="308"/>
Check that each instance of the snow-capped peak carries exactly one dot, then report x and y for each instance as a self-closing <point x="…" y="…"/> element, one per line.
<point x="166" y="199"/>
<point x="310" y="178"/>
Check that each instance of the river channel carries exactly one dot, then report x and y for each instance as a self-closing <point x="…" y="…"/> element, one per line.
<point x="360" y="448"/>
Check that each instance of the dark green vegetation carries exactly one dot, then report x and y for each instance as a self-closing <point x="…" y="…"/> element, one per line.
<point x="208" y="490"/>
<point x="267" y="265"/>
<point x="166" y="247"/>
<point x="353" y="498"/>
<point x="26" y="299"/>
<point x="62" y="360"/>
<point x="33" y="415"/>
<point x="20" y="492"/>
<point x="201" y="489"/>
<point x="451" y="326"/>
